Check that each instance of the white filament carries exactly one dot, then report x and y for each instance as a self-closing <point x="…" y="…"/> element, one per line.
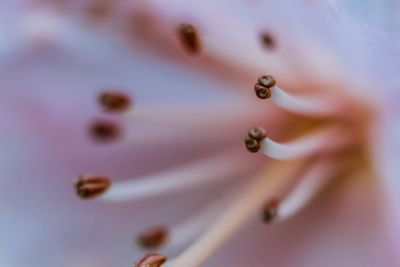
<point x="207" y="171"/>
<point x="306" y="105"/>
<point x="193" y="226"/>
<point x="278" y="176"/>
<point x="308" y="187"/>
<point x="326" y="139"/>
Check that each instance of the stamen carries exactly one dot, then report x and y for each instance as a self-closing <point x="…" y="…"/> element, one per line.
<point x="104" y="130"/>
<point x="204" y="172"/>
<point x="270" y="183"/>
<point x="305" y="105"/>
<point x="326" y="139"/>
<point x="114" y="101"/>
<point x="193" y="226"/>
<point x="189" y="38"/>
<point x="151" y="260"/>
<point x="267" y="40"/>
<point x="270" y="210"/>
<point x="90" y="186"/>
<point x="308" y="187"/>
<point x="153" y="237"/>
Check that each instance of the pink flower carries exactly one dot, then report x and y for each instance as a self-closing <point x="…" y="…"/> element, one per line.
<point x="148" y="102"/>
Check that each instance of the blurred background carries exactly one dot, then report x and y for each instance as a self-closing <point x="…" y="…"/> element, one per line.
<point x="58" y="56"/>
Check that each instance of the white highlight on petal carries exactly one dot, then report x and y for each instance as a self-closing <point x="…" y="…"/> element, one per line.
<point x="161" y="124"/>
<point x="33" y="29"/>
<point x="213" y="169"/>
<point x="168" y="263"/>
<point x="240" y="107"/>
<point x="305" y="105"/>
<point x="322" y="140"/>
<point x="189" y="116"/>
<point x="275" y="178"/>
<point x="167" y="134"/>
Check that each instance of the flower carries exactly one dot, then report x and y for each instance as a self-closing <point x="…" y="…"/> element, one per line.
<point x="165" y="92"/>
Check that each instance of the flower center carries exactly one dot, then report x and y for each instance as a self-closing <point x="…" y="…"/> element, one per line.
<point x="308" y="164"/>
<point x="298" y="170"/>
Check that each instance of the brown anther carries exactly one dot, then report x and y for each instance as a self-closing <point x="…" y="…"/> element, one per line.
<point x="257" y="133"/>
<point x="263" y="86"/>
<point x="267" y="40"/>
<point x="267" y="81"/>
<point x="153" y="237"/>
<point x="104" y="130"/>
<point x="262" y="91"/>
<point x="89" y="186"/>
<point x="189" y="38"/>
<point x="114" y="101"/>
<point x="151" y="260"/>
<point x="252" y="144"/>
<point x="269" y="211"/>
